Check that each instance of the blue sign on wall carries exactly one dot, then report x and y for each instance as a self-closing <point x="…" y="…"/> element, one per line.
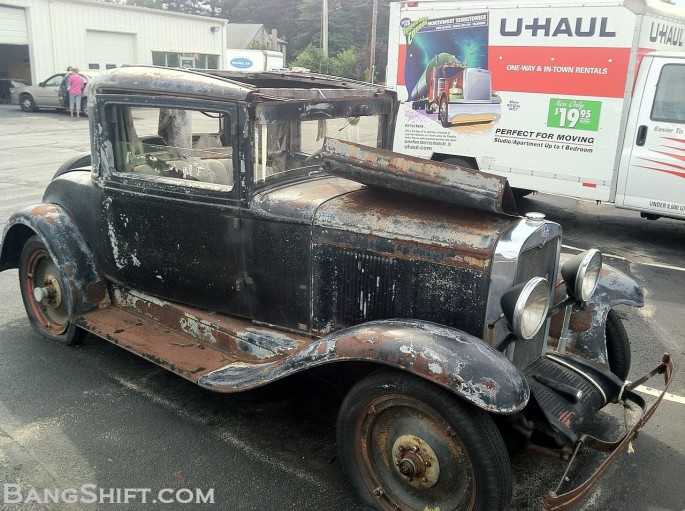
<point x="241" y="62"/>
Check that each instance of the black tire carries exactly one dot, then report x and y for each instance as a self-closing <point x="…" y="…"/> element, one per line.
<point x="521" y="192"/>
<point x="460" y="162"/>
<point x="618" y="346"/>
<point x="443" y="112"/>
<point x="84" y="106"/>
<point x="406" y="443"/>
<point x="49" y="316"/>
<point x="76" y="162"/>
<point x="27" y="103"/>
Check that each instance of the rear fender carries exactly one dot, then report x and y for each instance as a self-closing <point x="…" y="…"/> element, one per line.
<point x="85" y="288"/>
<point x="448" y="357"/>
<point x="588" y="325"/>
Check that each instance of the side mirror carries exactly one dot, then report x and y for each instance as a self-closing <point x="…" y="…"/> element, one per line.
<point x="41" y="84"/>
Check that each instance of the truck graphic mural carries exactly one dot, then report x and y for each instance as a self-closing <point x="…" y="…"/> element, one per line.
<point x="457" y="86"/>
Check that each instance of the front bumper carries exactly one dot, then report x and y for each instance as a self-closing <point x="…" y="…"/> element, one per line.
<point x="557" y="502"/>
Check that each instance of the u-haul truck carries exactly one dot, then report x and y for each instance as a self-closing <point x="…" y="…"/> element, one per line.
<point x="583" y="99"/>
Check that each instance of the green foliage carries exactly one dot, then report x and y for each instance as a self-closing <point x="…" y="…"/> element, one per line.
<point x="299" y="22"/>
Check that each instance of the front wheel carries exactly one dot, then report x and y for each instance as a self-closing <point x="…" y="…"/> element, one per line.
<point x="43" y="291"/>
<point x="618" y="346"/>
<point x="408" y="444"/>
<point x="26" y="103"/>
<point x="84" y="106"/>
<point x="443" y="113"/>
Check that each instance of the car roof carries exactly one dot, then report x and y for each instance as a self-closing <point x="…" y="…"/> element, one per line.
<point x="273" y="85"/>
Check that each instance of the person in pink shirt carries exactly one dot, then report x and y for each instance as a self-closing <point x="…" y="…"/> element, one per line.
<point x="75" y="89"/>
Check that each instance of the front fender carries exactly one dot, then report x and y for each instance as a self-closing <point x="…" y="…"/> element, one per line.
<point x="85" y="288"/>
<point x="448" y="357"/>
<point x="588" y="325"/>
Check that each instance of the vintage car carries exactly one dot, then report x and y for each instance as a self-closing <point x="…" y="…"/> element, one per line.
<point x="239" y="229"/>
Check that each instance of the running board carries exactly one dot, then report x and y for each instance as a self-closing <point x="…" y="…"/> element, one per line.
<point x="189" y="342"/>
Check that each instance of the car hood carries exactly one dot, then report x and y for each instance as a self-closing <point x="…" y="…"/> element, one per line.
<point x="332" y="204"/>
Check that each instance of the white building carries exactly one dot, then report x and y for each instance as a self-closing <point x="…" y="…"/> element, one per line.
<point x="42" y="37"/>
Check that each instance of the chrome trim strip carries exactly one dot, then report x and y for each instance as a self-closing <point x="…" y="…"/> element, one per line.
<point x="576" y="370"/>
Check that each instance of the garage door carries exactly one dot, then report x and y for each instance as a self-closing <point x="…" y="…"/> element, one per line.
<point x="13" y="26"/>
<point x="109" y="49"/>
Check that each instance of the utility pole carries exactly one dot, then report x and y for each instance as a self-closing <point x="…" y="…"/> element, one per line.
<point x="372" y="44"/>
<point x="324" y="29"/>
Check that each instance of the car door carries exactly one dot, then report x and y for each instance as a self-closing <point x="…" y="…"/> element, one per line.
<point x="653" y="180"/>
<point x="172" y="210"/>
<point x="47" y="94"/>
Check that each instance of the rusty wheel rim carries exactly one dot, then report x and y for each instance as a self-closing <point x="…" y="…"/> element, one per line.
<point x="45" y="294"/>
<point x="411" y="458"/>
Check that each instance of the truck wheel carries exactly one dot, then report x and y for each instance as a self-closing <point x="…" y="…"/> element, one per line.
<point x="406" y="443"/>
<point x="26" y="103"/>
<point x="43" y="292"/>
<point x="82" y="160"/>
<point x="443" y="113"/>
<point x="618" y="346"/>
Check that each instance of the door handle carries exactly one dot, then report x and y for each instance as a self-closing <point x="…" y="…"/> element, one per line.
<point x="641" y="135"/>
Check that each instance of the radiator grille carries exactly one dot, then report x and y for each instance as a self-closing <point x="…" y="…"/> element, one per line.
<point x="367" y="288"/>
<point x="538" y="261"/>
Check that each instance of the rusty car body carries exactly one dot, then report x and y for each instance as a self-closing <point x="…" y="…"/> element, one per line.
<point x="238" y="229"/>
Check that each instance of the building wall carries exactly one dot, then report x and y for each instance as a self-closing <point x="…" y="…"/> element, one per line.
<point x="60" y="31"/>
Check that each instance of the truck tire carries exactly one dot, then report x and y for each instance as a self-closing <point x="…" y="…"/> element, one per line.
<point x="443" y="112"/>
<point x="406" y="443"/>
<point x="43" y="291"/>
<point x="82" y="160"/>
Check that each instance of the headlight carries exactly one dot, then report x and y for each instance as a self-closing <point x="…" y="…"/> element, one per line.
<point x="581" y="274"/>
<point x="525" y="307"/>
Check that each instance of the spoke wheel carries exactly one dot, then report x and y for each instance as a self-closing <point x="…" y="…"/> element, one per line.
<point x="43" y="293"/>
<point x="27" y="103"/>
<point x="407" y="444"/>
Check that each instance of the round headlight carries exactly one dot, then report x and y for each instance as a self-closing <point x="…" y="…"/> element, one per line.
<point x="525" y="307"/>
<point x="581" y="274"/>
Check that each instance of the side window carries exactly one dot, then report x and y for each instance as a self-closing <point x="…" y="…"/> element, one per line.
<point x="669" y="99"/>
<point x="283" y="150"/>
<point x="188" y="147"/>
<point x="54" y="81"/>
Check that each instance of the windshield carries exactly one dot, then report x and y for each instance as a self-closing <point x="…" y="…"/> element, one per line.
<point x="288" y="149"/>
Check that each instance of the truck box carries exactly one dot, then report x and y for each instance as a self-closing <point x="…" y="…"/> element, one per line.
<point x="580" y="99"/>
<point x="253" y="60"/>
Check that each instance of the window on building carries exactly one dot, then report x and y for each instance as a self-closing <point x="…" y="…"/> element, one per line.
<point x="93" y="66"/>
<point x="178" y="59"/>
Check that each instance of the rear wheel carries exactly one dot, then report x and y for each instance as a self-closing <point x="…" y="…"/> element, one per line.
<point x="618" y="346"/>
<point x="408" y="444"/>
<point x="26" y="103"/>
<point x="43" y="291"/>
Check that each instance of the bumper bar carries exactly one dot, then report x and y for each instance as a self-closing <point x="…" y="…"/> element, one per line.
<point x="555" y="502"/>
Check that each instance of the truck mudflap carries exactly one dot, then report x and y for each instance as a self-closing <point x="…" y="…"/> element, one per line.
<point x="556" y="501"/>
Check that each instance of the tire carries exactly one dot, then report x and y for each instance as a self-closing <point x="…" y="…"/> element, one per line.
<point x="27" y="103"/>
<point x="519" y="193"/>
<point x="460" y="162"/>
<point x="49" y="316"/>
<point x="406" y="443"/>
<point x="618" y="346"/>
<point x="84" y="106"/>
<point x="82" y="160"/>
<point x="443" y="112"/>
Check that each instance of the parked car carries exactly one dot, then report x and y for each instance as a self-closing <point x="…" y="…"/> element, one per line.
<point x="7" y="88"/>
<point x="237" y="229"/>
<point x="51" y="93"/>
